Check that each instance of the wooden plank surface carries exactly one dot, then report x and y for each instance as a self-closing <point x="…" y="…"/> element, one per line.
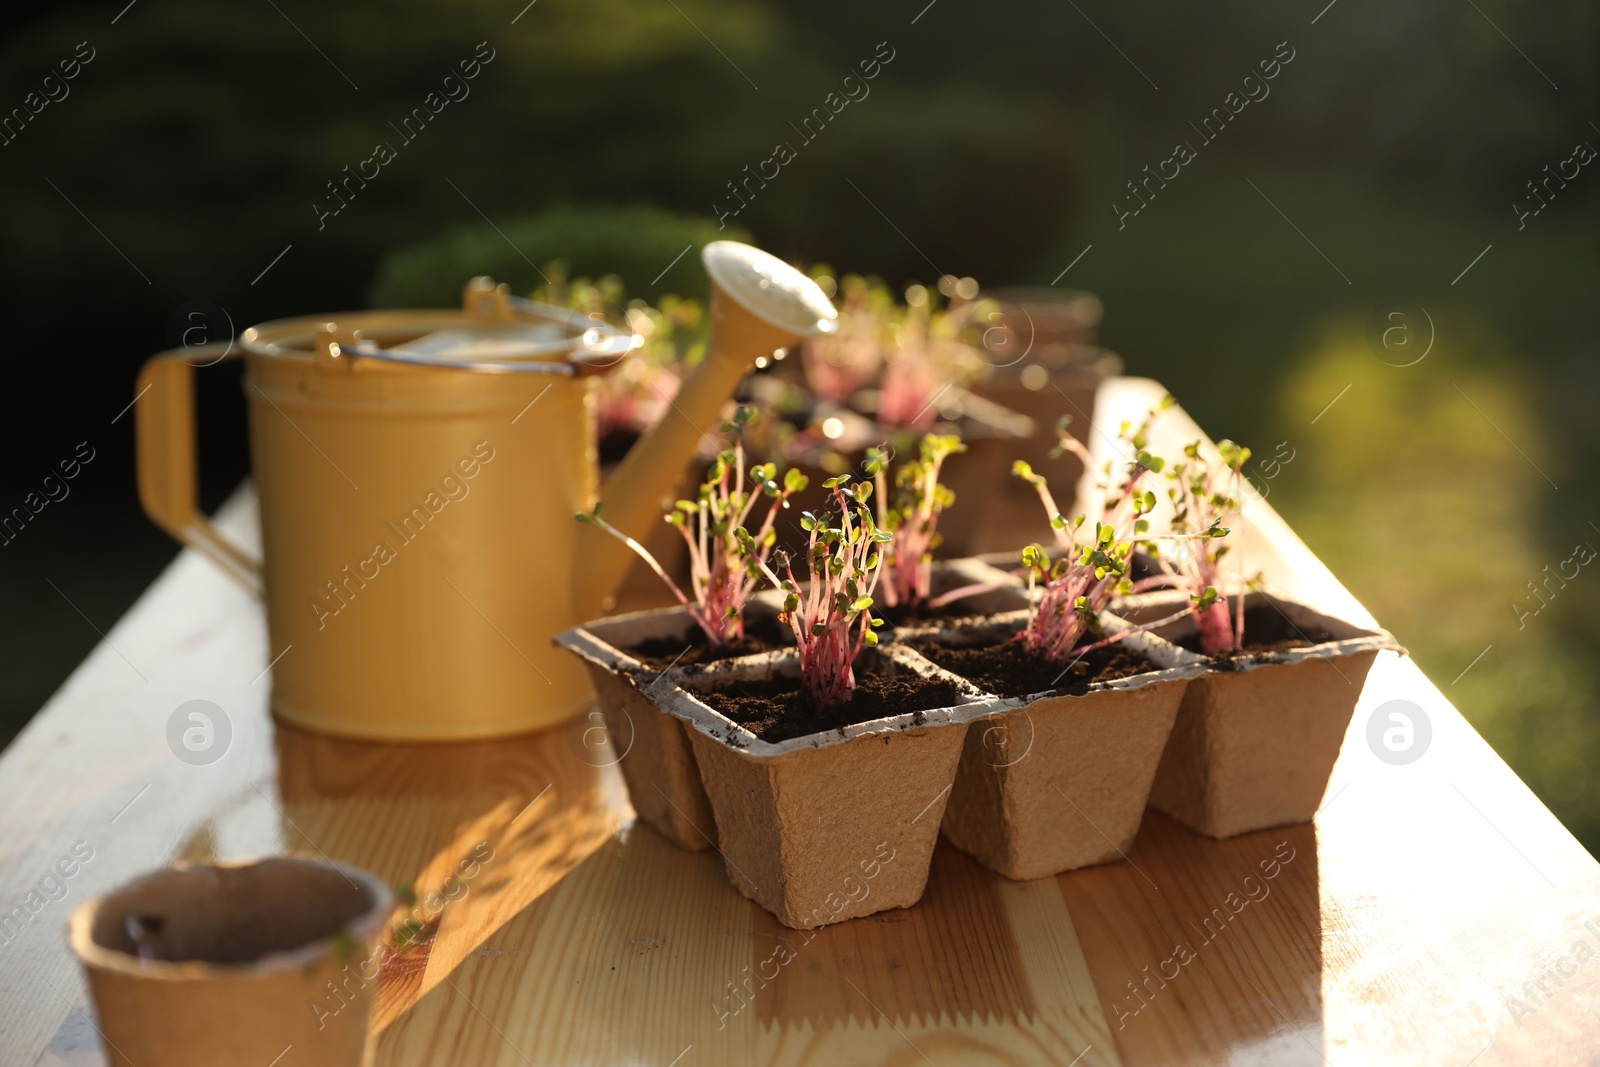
<point x="1395" y="929"/>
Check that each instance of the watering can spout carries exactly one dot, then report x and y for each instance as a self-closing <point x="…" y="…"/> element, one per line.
<point x="758" y="303"/>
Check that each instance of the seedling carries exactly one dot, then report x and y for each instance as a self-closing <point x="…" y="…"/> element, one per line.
<point x="911" y="515"/>
<point x="840" y="362"/>
<point x="932" y="349"/>
<point x="725" y="560"/>
<point x="831" y="616"/>
<point x="1076" y="586"/>
<point x="914" y="351"/>
<point x="1206" y="493"/>
<point x="410" y="933"/>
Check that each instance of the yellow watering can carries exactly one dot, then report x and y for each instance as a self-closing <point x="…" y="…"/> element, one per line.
<point x="418" y="473"/>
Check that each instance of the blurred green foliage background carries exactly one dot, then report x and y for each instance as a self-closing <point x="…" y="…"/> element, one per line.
<point x="189" y="152"/>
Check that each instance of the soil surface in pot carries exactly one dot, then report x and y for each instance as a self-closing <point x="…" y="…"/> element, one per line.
<point x="775" y="709"/>
<point x="1266" y="629"/>
<point x="761" y="634"/>
<point x="907" y="614"/>
<point x="921" y="613"/>
<point x="1007" y="669"/>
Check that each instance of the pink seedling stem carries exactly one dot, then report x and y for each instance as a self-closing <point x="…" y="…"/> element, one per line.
<point x="911" y="515"/>
<point x="839" y="363"/>
<point x="1074" y="588"/>
<point x="1206" y="494"/>
<point x="723" y="572"/>
<point x="831" y="615"/>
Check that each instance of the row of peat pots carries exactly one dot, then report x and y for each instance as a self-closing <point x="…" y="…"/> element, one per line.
<point x="1032" y="769"/>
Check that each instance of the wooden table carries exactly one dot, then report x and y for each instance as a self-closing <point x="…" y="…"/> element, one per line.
<point x="1423" y="897"/>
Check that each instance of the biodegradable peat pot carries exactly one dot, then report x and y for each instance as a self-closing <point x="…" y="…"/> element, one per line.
<point x="657" y="763"/>
<point x="656" y="759"/>
<point x="827" y="826"/>
<point x="1257" y="735"/>
<point x="1058" y="780"/>
<point x="235" y="963"/>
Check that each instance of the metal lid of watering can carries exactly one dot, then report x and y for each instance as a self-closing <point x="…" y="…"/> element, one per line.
<point x="769" y="288"/>
<point x="494" y="333"/>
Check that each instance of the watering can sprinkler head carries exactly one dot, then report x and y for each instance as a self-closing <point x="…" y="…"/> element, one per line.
<point x="762" y="287"/>
<point x="759" y="304"/>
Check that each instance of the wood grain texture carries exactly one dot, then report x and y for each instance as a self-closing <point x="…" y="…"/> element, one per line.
<point x="1191" y="928"/>
<point x="1422" y="900"/>
<point x="1443" y="886"/>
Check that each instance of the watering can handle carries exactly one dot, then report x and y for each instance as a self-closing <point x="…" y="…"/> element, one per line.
<point x="167" y="459"/>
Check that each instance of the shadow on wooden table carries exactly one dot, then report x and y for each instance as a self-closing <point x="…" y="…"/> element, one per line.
<point x="555" y="928"/>
<point x="475" y="831"/>
<point x="1206" y="951"/>
<point x="548" y="921"/>
<point x="643" y="951"/>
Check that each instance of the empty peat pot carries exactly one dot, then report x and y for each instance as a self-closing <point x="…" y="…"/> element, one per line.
<point x="1258" y="733"/>
<point x="831" y="825"/>
<point x="1058" y="779"/>
<point x="203" y="965"/>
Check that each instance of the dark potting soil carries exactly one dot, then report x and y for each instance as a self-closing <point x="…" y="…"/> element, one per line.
<point x="901" y="614"/>
<point x="1143" y="566"/>
<point x="1008" y="669"/>
<point x="761" y="634"/>
<point x="775" y="709"/>
<point x="1266" y="629"/>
